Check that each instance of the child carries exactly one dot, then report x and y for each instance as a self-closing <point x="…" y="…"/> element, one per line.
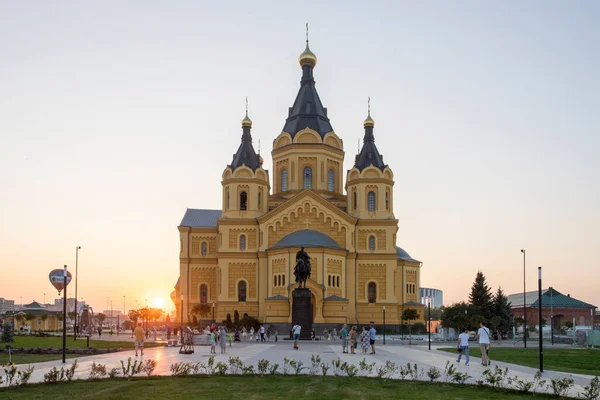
<point x="213" y="343"/>
<point x="230" y="338"/>
<point x="275" y="336"/>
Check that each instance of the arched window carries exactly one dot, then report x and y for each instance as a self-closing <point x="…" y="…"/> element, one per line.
<point x="330" y="181"/>
<point x="284" y="180"/>
<point x="203" y="294"/>
<point x="328" y="280"/>
<point x="242" y="242"/>
<point x="307" y="178"/>
<point x="371" y="201"/>
<point x="372" y="243"/>
<point x="387" y="201"/>
<point x="337" y="281"/>
<point x="243" y="201"/>
<point x="278" y="280"/>
<point x="242" y="291"/>
<point x="274" y="280"/>
<point x="259" y="193"/>
<point x="283" y="280"/>
<point x="354" y="198"/>
<point x="228" y="198"/>
<point x="372" y="292"/>
<point x="204" y="249"/>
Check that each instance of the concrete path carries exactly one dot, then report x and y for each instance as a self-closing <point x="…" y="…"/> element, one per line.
<point x="250" y="353"/>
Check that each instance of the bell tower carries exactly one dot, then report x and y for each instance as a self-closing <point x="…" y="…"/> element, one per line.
<point x="245" y="182"/>
<point x="370" y="182"/>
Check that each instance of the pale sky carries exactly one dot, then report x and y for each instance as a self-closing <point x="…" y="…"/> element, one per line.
<point x="117" y="116"/>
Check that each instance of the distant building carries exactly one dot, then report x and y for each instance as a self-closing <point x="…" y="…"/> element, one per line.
<point x="6" y="305"/>
<point x="58" y="305"/>
<point x="437" y="296"/>
<point x="43" y="319"/>
<point x="560" y="307"/>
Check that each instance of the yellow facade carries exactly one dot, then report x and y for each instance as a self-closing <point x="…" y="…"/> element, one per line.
<point x="241" y="258"/>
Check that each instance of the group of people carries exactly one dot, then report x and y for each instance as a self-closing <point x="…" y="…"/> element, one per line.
<point x="483" y="337"/>
<point x="350" y="338"/>
<point x="263" y="334"/>
<point x="220" y="335"/>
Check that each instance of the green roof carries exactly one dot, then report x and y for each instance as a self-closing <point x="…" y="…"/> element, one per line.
<point x="554" y="298"/>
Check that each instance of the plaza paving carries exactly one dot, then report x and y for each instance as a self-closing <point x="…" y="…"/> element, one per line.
<point x="250" y="353"/>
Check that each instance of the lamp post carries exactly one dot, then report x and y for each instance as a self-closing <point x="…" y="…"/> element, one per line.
<point x="64" y="349"/>
<point x="111" y="317"/>
<point x="524" y="304"/>
<point x="146" y="321"/>
<point x="76" y="275"/>
<point x="124" y="309"/>
<point x="551" y="319"/>
<point x="181" y="320"/>
<point x="429" y="319"/>
<point x="540" y="318"/>
<point x="384" y="325"/>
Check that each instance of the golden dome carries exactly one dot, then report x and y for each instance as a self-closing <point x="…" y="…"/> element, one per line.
<point x="307" y="57"/>
<point x="246" y="121"/>
<point x="369" y="121"/>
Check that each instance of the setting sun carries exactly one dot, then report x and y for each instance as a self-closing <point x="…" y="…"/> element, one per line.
<point x="158" y="302"/>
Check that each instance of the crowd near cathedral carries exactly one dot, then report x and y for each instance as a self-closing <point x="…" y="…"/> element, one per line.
<point x="242" y="256"/>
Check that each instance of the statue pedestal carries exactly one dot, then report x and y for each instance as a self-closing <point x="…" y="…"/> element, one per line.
<point x="302" y="312"/>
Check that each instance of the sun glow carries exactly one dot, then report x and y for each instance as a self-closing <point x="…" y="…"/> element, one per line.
<point x="158" y="302"/>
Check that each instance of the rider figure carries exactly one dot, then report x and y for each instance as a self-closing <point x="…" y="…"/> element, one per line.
<point x="302" y="255"/>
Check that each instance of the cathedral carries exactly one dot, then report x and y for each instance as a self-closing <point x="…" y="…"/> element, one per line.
<point x="242" y="257"/>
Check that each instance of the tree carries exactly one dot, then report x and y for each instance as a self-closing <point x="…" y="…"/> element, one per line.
<point x="100" y="317"/>
<point x="71" y="315"/>
<point x="236" y="318"/>
<point x="29" y="317"/>
<point x="202" y="310"/>
<point x="7" y="333"/>
<point x="133" y="315"/>
<point x="44" y="317"/>
<point x="501" y="310"/>
<point x="458" y="316"/>
<point x="481" y="297"/>
<point x="228" y="322"/>
<point x="409" y="314"/>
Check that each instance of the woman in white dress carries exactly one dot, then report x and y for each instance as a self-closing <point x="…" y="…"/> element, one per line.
<point x="252" y="334"/>
<point x="244" y="333"/>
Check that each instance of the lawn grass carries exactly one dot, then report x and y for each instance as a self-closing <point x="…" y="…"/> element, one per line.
<point x="257" y="387"/>
<point x="576" y="361"/>
<point x="56" y="342"/>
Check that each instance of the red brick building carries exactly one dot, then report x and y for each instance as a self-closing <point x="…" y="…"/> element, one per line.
<point x="555" y="306"/>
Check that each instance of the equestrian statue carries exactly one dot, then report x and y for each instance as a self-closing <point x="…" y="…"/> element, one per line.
<point x="302" y="268"/>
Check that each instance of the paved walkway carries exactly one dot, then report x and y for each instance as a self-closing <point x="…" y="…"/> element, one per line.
<point x="250" y="353"/>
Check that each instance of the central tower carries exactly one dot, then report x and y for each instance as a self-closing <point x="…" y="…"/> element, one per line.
<point x="307" y="154"/>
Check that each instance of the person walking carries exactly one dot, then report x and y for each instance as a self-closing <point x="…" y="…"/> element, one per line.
<point x="463" y="346"/>
<point x="252" y="334"/>
<point x="364" y="340"/>
<point x="344" y="334"/>
<point x="262" y="333"/>
<point x="276" y="334"/>
<point x="334" y="334"/>
<point x="139" y="339"/>
<point x="353" y="337"/>
<point x="244" y="333"/>
<point x="223" y="339"/>
<point x="372" y="338"/>
<point x="296" y="330"/>
<point x="230" y="338"/>
<point x="213" y="342"/>
<point x="483" y="335"/>
<point x="268" y="334"/>
<point x="313" y="334"/>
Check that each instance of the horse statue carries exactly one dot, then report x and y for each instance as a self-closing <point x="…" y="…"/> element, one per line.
<point x="302" y="268"/>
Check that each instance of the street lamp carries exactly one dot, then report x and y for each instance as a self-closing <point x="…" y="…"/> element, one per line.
<point x="524" y="304"/>
<point x="384" y="325"/>
<point x="76" y="275"/>
<point x="540" y="318"/>
<point x="429" y="321"/>
<point x="181" y="320"/>
<point x="146" y="322"/>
